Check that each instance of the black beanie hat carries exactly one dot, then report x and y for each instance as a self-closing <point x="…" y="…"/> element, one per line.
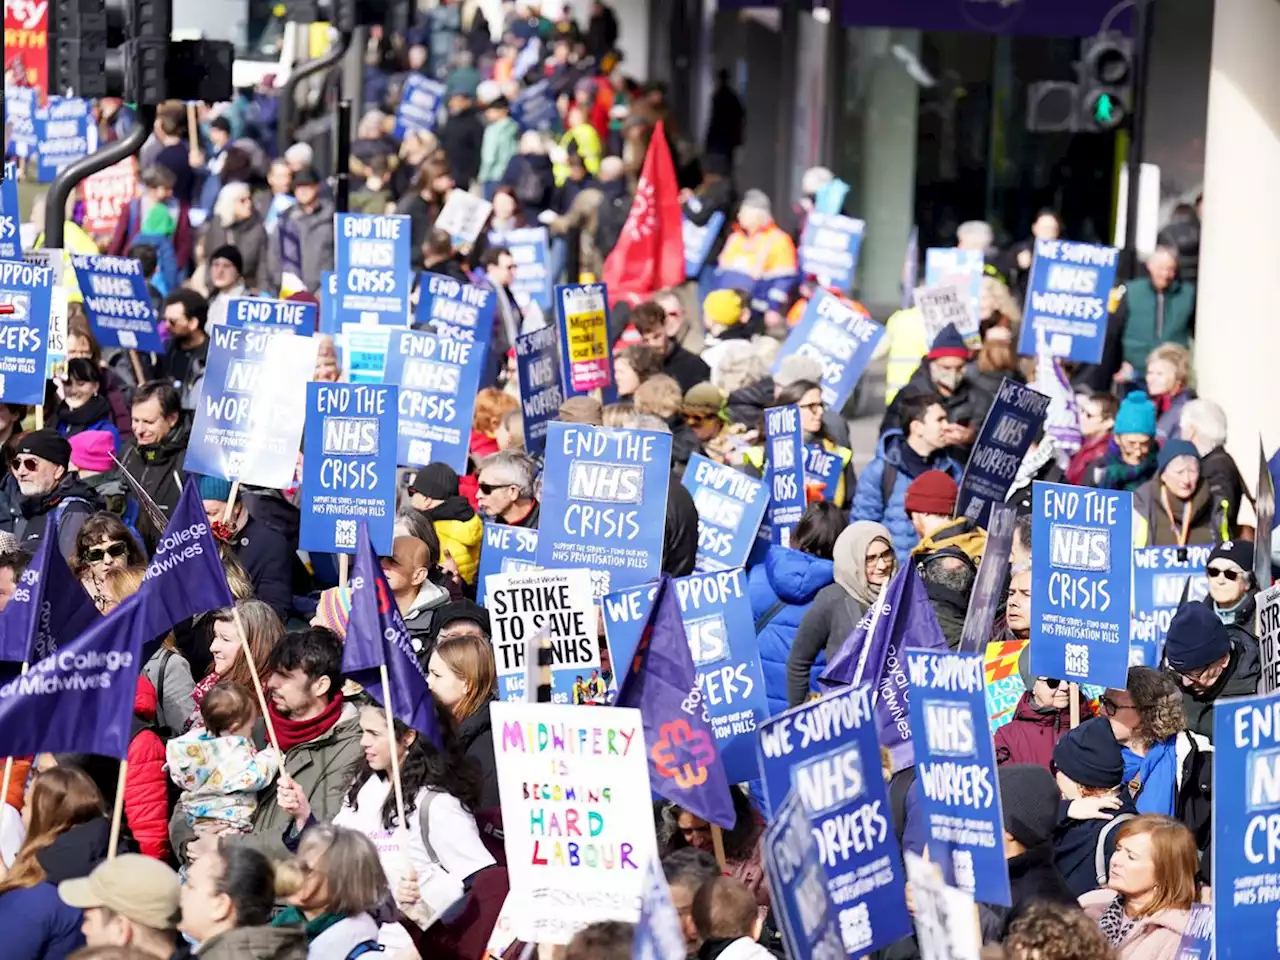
<point x="229" y="253"/>
<point x="1239" y="552"/>
<point x="1196" y="638"/>
<point x="436" y="481"/>
<point x="1029" y="796"/>
<point x="1090" y="756"/>
<point x="47" y="445"/>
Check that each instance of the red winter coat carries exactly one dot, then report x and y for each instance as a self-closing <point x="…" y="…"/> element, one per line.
<point x="146" y="786"/>
<point x="1031" y="736"/>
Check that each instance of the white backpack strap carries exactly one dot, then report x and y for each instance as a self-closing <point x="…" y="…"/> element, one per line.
<point x="1100" y="854"/>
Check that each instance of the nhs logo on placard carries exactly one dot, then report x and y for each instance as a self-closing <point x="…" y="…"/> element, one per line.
<point x="949" y="728"/>
<point x="1166" y="589"/>
<point x="242" y="376"/>
<point x="830" y="781"/>
<point x="351" y="436"/>
<point x="1264" y="779"/>
<point x="708" y="640"/>
<point x="616" y="483"/>
<point x="1080" y="548"/>
<point x="435" y="377"/>
<point x="717" y="510"/>
<point x="21" y="303"/>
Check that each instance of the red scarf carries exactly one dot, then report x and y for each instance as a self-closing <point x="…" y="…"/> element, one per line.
<point x="292" y="732"/>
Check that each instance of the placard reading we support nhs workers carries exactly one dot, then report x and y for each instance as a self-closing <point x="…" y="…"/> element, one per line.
<point x="1161" y="575"/>
<point x="24" y="340"/>
<point x="531" y="250"/>
<point x="419" y="104"/>
<point x="458" y="310"/>
<point x="256" y="313"/>
<point x="1081" y="548"/>
<point x="349" y="467"/>
<point x="784" y="470"/>
<point x="604" y="503"/>
<point x="541" y="384"/>
<point x="953" y="267"/>
<point x="1246" y="828"/>
<point x="956" y="772"/>
<point x="1006" y="435"/>
<point x="252" y="406"/>
<point x="829" y="249"/>
<point x="505" y="550"/>
<point x="720" y="628"/>
<point x="805" y="915"/>
<point x="438" y="380"/>
<point x="1067" y="296"/>
<point x="827" y="753"/>
<point x="839" y="337"/>
<point x="65" y="133"/>
<point x="117" y="303"/>
<point x="731" y="506"/>
<point x="372" y="267"/>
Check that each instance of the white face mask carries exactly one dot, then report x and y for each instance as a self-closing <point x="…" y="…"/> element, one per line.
<point x="948" y="378"/>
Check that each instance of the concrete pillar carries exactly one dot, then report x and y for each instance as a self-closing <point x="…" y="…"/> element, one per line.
<point x="1238" y="334"/>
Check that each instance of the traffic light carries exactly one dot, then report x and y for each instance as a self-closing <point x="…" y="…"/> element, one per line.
<point x="1052" y="106"/>
<point x="1106" y="83"/>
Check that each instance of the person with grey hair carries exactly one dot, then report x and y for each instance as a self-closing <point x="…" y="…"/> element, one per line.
<point x="1156" y="309"/>
<point x="508" y="493"/>
<point x="975" y="235"/>
<point x="948" y="576"/>
<point x="1204" y="424"/>
<point x="236" y="222"/>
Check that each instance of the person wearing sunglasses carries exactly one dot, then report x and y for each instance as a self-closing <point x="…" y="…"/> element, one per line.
<point x="1232" y="592"/>
<point x="1209" y="663"/>
<point x="839" y="476"/>
<point x="506" y="489"/>
<point x="102" y="545"/>
<point x="49" y="489"/>
<point x="1042" y="716"/>
<point x="1174" y="509"/>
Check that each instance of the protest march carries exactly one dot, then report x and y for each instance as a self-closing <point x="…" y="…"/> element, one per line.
<point x="512" y="522"/>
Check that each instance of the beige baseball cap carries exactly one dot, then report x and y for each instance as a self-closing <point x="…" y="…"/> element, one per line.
<point x="138" y="888"/>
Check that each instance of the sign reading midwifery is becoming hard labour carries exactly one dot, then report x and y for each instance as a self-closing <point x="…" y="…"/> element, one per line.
<point x="604" y="503"/>
<point x="1081" y="549"/>
<point x="1067" y="296"/>
<point x="578" y="823"/>
<point x="349" y="467"/>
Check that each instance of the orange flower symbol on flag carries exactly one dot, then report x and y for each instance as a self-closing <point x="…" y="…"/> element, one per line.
<point x="683" y="754"/>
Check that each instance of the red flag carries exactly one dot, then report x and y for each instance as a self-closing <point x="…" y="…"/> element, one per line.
<point x="649" y="255"/>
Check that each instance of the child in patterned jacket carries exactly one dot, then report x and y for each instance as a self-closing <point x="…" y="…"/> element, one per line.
<point x="218" y="767"/>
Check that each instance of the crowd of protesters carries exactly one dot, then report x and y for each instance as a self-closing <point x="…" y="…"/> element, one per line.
<point x="286" y="847"/>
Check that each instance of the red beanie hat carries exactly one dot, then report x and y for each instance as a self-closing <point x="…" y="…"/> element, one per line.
<point x="932" y="492"/>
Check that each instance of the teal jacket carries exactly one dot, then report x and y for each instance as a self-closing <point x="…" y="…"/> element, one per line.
<point x="1148" y="322"/>
<point x="500" y="143"/>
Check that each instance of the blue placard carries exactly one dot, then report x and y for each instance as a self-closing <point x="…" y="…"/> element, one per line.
<point x="117" y="303"/>
<point x="531" y="250"/>
<point x="364" y="352"/>
<point x="65" y="133"/>
<point x="20" y="106"/>
<point x="829" y="249"/>
<point x="840" y="338"/>
<point x="438" y="379"/>
<point x="250" y="412"/>
<point x="698" y="241"/>
<point x="956" y="772"/>
<point x="349" y="467"/>
<point x="731" y="506"/>
<point x="10" y="215"/>
<point x="290" y="239"/>
<point x="953" y="267"/>
<point x="329" y="304"/>
<point x="801" y="903"/>
<point x="1246" y="804"/>
<point x="604" y="503"/>
<point x="257" y="313"/>
<point x="719" y="625"/>
<point x="824" y="467"/>
<point x="535" y="108"/>
<point x="541" y="384"/>
<point x="458" y="310"/>
<point x="419" y="104"/>
<point x="1082" y="543"/>
<point x="372" y="267"/>
<point x="506" y="550"/>
<point x="24" y="333"/>
<point x="827" y="754"/>
<point x="1160" y="575"/>
<point x="1007" y="433"/>
<point x="1197" y="937"/>
<point x="784" y="472"/>
<point x="1067" y="294"/>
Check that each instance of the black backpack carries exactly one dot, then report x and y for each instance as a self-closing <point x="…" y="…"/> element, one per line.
<point x="529" y="188"/>
<point x="610" y="222"/>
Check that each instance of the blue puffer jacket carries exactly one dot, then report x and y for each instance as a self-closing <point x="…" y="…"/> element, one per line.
<point x="795" y="578"/>
<point x="868" y="498"/>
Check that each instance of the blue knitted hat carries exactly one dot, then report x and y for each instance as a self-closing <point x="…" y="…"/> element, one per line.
<point x="1137" y="414"/>
<point x="214" y="488"/>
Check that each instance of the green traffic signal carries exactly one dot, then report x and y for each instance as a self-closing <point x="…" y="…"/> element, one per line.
<point x="1104" y="109"/>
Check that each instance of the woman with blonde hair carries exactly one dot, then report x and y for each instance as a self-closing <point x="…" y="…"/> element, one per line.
<point x="66" y="838"/>
<point x="1168" y="370"/>
<point x="1151" y="885"/>
<point x="464" y="680"/>
<point x="236" y="222"/>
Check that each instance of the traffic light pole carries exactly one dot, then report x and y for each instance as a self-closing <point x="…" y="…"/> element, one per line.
<point x="1142" y="29"/>
<point x="55" y="210"/>
<point x="285" y="121"/>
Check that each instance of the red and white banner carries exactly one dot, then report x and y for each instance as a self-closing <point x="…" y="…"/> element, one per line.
<point x="106" y="194"/>
<point x="26" y="44"/>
